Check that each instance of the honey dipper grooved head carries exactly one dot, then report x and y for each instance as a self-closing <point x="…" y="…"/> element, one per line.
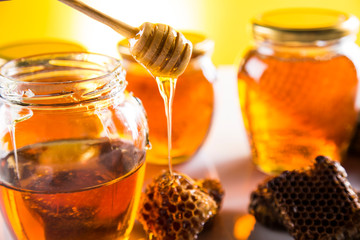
<point x="162" y="50"/>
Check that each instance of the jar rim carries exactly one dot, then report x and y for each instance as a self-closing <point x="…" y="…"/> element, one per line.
<point x="303" y="25"/>
<point x="66" y="78"/>
<point x="56" y="59"/>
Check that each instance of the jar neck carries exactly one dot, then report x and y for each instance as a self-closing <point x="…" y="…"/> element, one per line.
<point x="319" y="49"/>
<point x="61" y="80"/>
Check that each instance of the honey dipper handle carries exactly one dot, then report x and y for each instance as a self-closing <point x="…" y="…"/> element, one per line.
<point x="120" y="27"/>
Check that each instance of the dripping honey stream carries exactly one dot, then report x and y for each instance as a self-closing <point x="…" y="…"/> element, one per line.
<point x="167" y="88"/>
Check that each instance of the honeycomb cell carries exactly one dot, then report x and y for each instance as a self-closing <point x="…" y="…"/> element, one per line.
<point x="321" y="204"/>
<point x="176" y="207"/>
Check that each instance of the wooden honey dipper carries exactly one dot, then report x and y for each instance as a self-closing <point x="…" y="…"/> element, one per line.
<point x="162" y="50"/>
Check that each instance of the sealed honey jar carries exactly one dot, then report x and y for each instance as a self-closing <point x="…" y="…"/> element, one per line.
<point x="192" y="107"/>
<point x="298" y="87"/>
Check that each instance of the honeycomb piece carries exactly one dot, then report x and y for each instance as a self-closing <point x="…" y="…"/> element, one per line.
<point x="214" y="189"/>
<point x="264" y="212"/>
<point x="262" y="209"/>
<point x="317" y="203"/>
<point x="175" y="207"/>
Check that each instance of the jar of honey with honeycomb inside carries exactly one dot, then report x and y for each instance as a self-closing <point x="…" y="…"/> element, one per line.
<point x="192" y="107"/>
<point x="298" y="87"/>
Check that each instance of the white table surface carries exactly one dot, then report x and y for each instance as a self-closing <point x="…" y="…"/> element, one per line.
<point x="224" y="155"/>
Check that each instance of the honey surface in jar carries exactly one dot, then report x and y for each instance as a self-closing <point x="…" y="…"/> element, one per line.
<point x="298" y="89"/>
<point x="74" y="202"/>
<point x="192" y="106"/>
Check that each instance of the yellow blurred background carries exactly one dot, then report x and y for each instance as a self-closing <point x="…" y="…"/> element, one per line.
<point x="227" y="22"/>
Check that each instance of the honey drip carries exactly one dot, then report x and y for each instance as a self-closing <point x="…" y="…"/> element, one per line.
<point x="190" y="122"/>
<point x="17" y="116"/>
<point x="13" y="141"/>
<point x="167" y="87"/>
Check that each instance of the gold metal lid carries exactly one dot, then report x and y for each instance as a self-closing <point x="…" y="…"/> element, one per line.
<point x="201" y="45"/>
<point x="303" y="25"/>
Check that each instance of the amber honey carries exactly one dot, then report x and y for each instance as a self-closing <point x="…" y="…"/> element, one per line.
<point x="83" y="189"/>
<point x="192" y="107"/>
<point x="294" y="113"/>
<point x="298" y="98"/>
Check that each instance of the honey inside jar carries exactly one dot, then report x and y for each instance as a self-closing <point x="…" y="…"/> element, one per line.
<point x="192" y="106"/>
<point x="298" y="87"/>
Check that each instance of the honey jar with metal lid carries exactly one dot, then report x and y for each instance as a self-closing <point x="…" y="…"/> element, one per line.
<point x="298" y="86"/>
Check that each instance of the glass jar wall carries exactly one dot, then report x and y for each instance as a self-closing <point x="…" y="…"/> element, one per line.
<point x="72" y="147"/>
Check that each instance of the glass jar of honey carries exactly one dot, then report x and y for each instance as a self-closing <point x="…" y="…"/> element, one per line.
<point x="72" y="147"/>
<point x="192" y="107"/>
<point x="298" y="87"/>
